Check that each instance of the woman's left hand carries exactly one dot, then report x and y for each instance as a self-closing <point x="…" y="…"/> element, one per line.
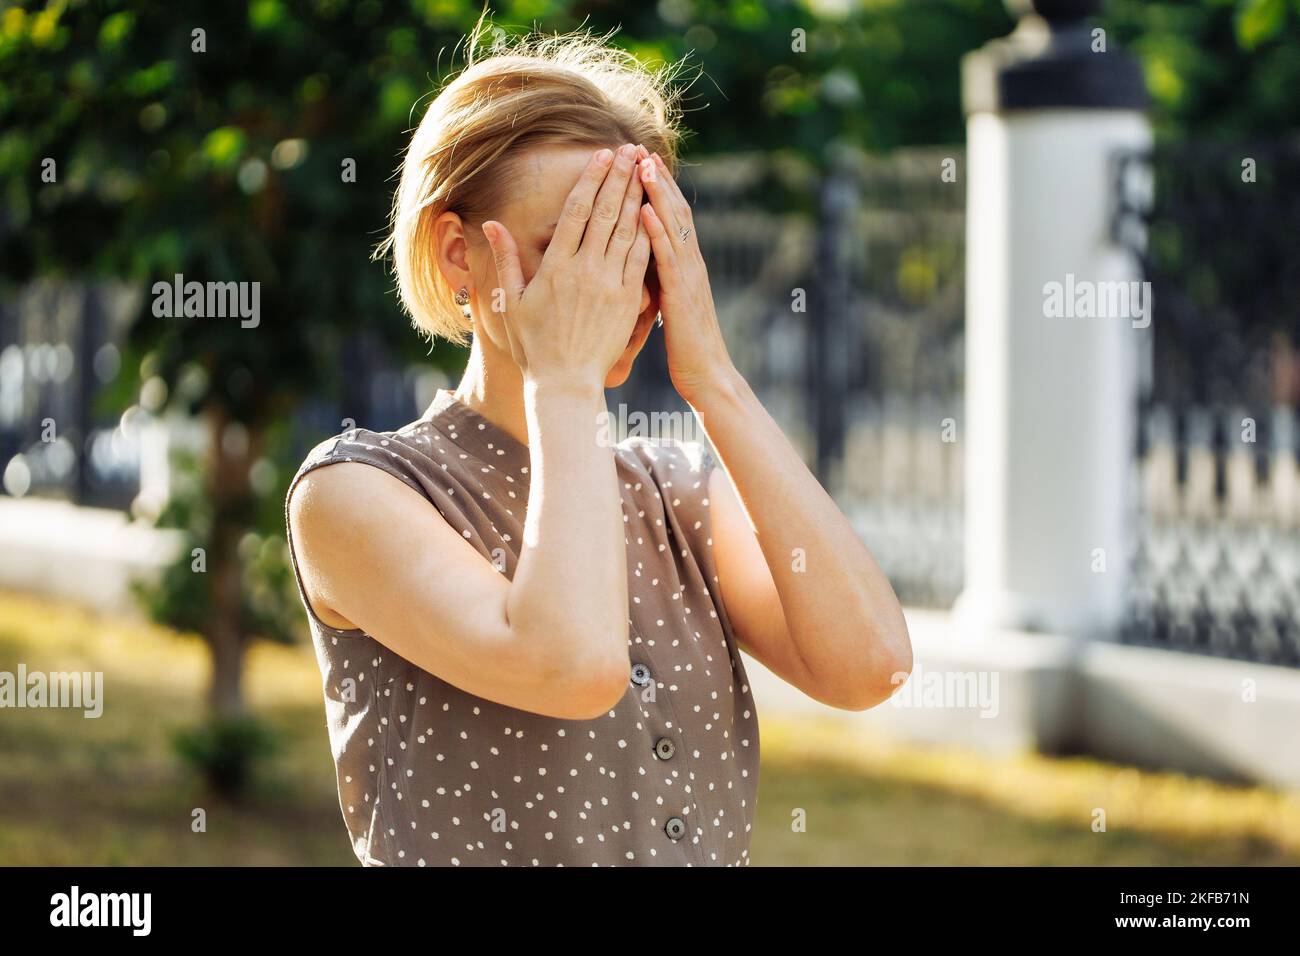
<point x="697" y="354"/>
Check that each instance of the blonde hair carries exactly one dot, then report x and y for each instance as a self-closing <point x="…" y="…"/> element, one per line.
<point x="570" y="89"/>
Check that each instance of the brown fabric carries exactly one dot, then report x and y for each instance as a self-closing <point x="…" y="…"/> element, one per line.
<point x="431" y="775"/>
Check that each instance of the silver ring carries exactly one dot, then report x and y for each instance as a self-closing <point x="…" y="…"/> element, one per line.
<point x="684" y="233"/>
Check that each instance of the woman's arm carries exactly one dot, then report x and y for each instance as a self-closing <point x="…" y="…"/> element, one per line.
<point x="572" y="573"/>
<point x="803" y="593"/>
<point x="553" y="640"/>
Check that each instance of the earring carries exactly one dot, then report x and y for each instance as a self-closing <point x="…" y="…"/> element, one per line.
<point x="462" y="300"/>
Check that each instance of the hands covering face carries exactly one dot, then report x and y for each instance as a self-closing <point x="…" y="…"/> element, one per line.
<point x="576" y="315"/>
<point x="574" y="318"/>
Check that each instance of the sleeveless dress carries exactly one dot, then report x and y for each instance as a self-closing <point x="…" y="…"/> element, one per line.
<point x="429" y="775"/>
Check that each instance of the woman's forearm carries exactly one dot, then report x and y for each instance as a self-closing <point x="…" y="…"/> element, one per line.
<point x="841" y="614"/>
<point x="570" y="585"/>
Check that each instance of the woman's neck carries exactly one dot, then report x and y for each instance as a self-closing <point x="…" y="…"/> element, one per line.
<point x="494" y="387"/>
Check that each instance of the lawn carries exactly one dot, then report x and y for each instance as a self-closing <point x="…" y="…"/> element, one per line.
<point x="111" y="791"/>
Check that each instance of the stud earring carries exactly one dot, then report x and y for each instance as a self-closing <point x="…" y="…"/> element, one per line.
<point x="462" y="300"/>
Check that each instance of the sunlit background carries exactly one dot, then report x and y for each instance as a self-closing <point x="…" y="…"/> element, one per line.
<point x="818" y="137"/>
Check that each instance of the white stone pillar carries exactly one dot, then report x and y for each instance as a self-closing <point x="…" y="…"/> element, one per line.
<point x="1050" y="392"/>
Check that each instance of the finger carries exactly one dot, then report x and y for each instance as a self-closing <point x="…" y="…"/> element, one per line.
<point x="510" y="279"/>
<point x="577" y="207"/>
<point x="638" y="256"/>
<point x="629" y="219"/>
<point x="505" y="253"/>
<point x="609" y="201"/>
<point x="681" y="207"/>
<point x="660" y="197"/>
<point x="662" y="245"/>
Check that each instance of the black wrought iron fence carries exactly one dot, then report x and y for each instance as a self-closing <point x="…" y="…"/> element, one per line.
<point x="1217" y="563"/>
<point x="899" y="471"/>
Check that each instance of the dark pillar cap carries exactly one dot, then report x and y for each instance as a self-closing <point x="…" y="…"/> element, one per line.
<point x="1047" y="62"/>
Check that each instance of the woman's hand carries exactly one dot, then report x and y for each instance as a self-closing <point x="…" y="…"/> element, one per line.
<point x="697" y="355"/>
<point x="573" y="319"/>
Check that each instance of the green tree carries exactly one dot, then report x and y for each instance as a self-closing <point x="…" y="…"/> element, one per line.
<point x="217" y="141"/>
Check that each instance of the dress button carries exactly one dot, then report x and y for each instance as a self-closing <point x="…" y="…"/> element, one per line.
<point x="665" y="748"/>
<point x="675" y="828"/>
<point x="640" y="675"/>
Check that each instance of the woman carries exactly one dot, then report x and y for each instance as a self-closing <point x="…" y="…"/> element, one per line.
<point x="529" y="639"/>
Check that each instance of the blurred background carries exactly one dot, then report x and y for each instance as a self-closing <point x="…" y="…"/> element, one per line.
<point x="144" y="461"/>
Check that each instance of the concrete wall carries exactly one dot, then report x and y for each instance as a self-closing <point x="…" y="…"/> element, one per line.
<point x="1225" y="719"/>
<point x="86" y="555"/>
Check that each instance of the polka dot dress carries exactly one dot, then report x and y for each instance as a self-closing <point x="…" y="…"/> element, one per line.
<point x="429" y="775"/>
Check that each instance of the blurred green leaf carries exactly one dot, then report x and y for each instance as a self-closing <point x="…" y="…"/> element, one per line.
<point x="1259" y="21"/>
<point x="224" y="146"/>
<point x="116" y="29"/>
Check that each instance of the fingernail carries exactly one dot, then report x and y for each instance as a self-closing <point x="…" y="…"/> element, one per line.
<point x="647" y="171"/>
<point x="626" y="150"/>
<point x="603" y="157"/>
<point x="490" y="230"/>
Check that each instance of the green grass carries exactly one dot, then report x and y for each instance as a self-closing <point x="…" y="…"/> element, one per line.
<point x="111" y="791"/>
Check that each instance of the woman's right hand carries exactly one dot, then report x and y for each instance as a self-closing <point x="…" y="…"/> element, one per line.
<point x="574" y="318"/>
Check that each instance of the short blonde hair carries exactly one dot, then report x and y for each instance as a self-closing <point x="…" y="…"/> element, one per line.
<point x="571" y="89"/>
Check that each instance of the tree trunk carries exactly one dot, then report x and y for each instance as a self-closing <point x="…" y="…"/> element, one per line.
<point x="230" y="492"/>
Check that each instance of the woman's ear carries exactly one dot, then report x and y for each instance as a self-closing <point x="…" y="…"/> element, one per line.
<point x="451" y="249"/>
